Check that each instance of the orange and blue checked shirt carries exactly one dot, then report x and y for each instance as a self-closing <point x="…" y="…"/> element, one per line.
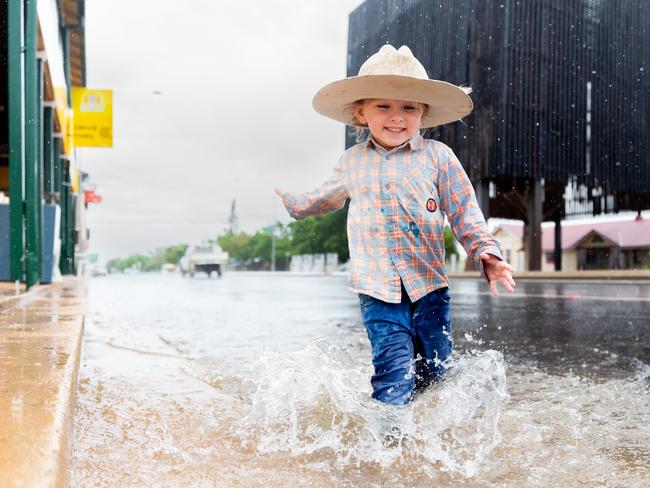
<point x="398" y="202"/>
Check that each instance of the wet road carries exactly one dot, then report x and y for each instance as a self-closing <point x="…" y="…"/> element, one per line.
<point x="261" y="379"/>
<point x="592" y="328"/>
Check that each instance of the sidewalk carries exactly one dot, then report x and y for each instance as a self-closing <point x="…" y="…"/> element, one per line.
<point x="40" y="345"/>
<point x="10" y="293"/>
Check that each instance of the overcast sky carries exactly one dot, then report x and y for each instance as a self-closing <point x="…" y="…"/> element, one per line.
<point x="233" y="119"/>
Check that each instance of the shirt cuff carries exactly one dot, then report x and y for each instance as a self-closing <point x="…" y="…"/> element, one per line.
<point x="289" y="200"/>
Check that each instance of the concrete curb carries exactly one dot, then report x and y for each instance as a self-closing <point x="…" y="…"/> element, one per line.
<point x="10" y="294"/>
<point x="522" y="275"/>
<point x="568" y="275"/>
<point x="40" y="347"/>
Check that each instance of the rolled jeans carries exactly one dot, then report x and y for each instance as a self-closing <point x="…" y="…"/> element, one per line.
<point x="410" y="343"/>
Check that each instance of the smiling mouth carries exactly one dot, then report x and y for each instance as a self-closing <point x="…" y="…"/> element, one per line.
<point x="394" y="130"/>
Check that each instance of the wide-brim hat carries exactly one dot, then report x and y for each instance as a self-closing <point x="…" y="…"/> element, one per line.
<point x="394" y="74"/>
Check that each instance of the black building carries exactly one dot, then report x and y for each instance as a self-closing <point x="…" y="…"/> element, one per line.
<point x="561" y="123"/>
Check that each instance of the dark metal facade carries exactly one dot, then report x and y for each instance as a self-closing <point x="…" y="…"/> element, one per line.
<point x="621" y="99"/>
<point x="561" y="93"/>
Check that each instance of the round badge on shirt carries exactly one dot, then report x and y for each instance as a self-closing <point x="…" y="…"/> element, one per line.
<point x="432" y="206"/>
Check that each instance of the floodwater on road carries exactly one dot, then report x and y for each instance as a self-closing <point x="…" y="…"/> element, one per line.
<point x="262" y="379"/>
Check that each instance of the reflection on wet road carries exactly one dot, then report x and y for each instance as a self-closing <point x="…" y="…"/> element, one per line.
<point x="260" y="379"/>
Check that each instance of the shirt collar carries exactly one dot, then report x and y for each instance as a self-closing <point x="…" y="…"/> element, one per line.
<point x="414" y="143"/>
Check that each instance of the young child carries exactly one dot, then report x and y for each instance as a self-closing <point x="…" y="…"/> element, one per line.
<point x="400" y="187"/>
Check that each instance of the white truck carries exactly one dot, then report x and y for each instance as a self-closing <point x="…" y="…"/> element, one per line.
<point x="206" y="258"/>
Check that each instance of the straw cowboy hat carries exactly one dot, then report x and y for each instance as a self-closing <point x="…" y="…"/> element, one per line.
<point x="394" y="74"/>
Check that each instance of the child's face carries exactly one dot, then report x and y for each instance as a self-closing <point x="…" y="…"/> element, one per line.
<point x="391" y="122"/>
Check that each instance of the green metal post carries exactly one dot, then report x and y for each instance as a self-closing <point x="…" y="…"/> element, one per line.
<point x="72" y="225"/>
<point x="63" y="265"/>
<point x="32" y="224"/>
<point x="48" y="153"/>
<point x="40" y="160"/>
<point x="66" y="262"/>
<point x="57" y="166"/>
<point x="15" y="37"/>
<point x="62" y="203"/>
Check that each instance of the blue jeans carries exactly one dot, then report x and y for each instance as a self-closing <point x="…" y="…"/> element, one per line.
<point x="410" y="342"/>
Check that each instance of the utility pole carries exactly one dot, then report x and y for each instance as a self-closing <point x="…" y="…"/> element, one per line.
<point x="273" y="248"/>
<point x="233" y="220"/>
<point x="274" y="228"/>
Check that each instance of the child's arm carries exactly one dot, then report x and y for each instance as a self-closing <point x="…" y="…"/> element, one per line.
<point x="329" y="197"/>
<point x="458" y="201"/>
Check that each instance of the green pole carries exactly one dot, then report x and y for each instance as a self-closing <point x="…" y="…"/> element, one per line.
<point x="63" y="265"/>
<point x="56" y="166"/>
<point x="32" y="224"/>
<point x="15" y="37"/>
<point x="72" y="224"/>
<point x="48" y="151"/>
<point x="40" y="159"/>
<point x="66" y="262"/>
<point x="64" y="215"/>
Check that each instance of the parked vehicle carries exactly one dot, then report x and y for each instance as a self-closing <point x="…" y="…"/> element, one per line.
<point x="168" y="268"/>
<point x="99" y="271"/>
<point x="207" y="258"/>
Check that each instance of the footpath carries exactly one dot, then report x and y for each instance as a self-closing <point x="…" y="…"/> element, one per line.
<point x="40" y="347"/>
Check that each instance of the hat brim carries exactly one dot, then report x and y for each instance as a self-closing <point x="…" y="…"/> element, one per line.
<point x="447" y="102"/>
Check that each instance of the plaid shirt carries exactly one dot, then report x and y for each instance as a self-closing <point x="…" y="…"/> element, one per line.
<point x="398" y="202"/>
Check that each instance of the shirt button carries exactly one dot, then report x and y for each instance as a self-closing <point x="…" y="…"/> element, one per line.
<point x="387" y="186"/>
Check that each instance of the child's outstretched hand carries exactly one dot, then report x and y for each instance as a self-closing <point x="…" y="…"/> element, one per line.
<point x="497" y="270"/>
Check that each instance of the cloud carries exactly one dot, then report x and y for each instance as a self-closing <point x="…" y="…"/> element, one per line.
<point x="233" y="120"/>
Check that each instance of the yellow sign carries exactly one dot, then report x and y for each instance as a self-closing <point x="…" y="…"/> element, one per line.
<point x="93" y="117"/>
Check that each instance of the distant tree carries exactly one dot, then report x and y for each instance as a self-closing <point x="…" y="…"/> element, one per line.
<point x="152" y="262"/>
<point x="113" y="264"/>
<point x="135" y="261"/>
<point x="236" y="245"/>
<point x="254" y="252"/>
<point x="321" y="234"/>
<point x="173" y="254"/>
<point x="450" y="242"/>
<point x="259" y="249"/>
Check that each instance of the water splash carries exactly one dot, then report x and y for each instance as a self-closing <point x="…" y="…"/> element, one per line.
<point x="315" y="404"/>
